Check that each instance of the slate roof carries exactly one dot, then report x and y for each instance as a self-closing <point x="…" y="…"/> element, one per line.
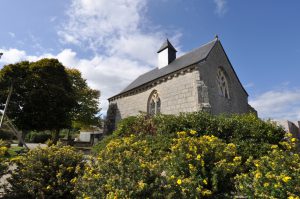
<point x="188" y="59"/>
<point x="165" y="45"/>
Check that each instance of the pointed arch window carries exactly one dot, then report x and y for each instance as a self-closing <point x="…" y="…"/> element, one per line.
<point x="222" y="83"/>
<point x="154" y="103"/>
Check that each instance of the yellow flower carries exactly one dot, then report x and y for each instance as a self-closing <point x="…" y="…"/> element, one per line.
<point x="277" y="185"/>
<point x="181" y="133"/>
<point x="286" y="178"/>
<point x="179" y="182"/>
<point x="205" y="181"/>
<point x="141" y="185"/>
<point x="58" y="175"/>
<point x="258" y="175"/>
<point x="292" y="197"/>
<point x="293" y="139"/>
<point x="74" y="180"/>
<point x="192" y="132"/>
<point x="143" y="165"/>
<point x="172" y="176"/>
<point x="191" y="167"/>
<point x="237" y="159"/>
<point x="97" y="176"/>
<point x="188" y="156"/>
<point x="69" y="169"/>
<point x="266" y="184"/>
<point x="198" y="157"/>
<point x="206" y="192"/>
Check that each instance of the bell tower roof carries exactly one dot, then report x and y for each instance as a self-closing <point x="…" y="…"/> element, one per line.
<point x="166" y="44"/>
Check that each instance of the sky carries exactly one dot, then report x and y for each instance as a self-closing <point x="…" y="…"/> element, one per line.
<point x="113" y="41"/>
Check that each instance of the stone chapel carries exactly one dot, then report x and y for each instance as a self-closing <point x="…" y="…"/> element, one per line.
<point x="201" y="80"/>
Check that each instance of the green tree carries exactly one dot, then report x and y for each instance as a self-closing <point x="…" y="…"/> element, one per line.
<point x="43" y="96"/>
<point x="86" y="112"/>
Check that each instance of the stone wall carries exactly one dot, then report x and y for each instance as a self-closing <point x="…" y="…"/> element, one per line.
<point x="177" y="93"/>
<point x="238" y="101"/>
<point x="290" y="126"/>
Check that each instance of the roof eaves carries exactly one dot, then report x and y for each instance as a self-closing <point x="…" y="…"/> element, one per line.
<point x="128" y="91"/>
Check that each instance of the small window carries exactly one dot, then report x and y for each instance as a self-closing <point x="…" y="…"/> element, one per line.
<point x="154" y="103"/>
<point x="222" y="83"/>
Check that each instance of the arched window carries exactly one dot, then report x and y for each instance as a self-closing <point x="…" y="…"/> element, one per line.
<point x="222" y="83"/>
<point x="154" y="103"/>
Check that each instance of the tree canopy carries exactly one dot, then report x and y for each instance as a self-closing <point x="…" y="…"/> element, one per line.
<point x="86" y="111"/>
<point x="47" y="96"/>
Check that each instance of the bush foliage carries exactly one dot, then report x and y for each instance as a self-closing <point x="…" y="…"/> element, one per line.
<point x="45" y="173"/>
<point x="276" y="175"/>
<point x="38" y="137"/>
<point x="194" y="155"/>
<point x="3" y="153"/>
<point x="251" y="135"/>
<point x="158" y="167"/>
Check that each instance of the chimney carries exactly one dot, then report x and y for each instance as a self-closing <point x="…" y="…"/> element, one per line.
<point x="166" y="54"/>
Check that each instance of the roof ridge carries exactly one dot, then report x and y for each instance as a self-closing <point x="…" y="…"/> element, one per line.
<point x="185" y="60"/>
<point x="195" y="49"/>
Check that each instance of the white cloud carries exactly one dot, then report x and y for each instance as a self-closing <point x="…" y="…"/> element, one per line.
<point x="221" y="7"/>
<point x="95" y="23"/>
<point x="123" y="42"/>
<point x="283" y="104"/>
<point x="12" y="55"/>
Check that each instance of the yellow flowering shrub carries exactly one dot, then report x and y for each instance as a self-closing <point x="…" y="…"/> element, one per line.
<point x="251" y="135"/>
<point x="45" y="173"/>
<point x="3" y="153"/>
<point x="276" y="175"/>
<point x="128" y="167"/>
<point x="200" y="167"/>
<point x="158" y="166"/>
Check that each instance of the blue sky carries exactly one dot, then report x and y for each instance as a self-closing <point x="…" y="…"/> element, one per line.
<point x="113" y="41"/>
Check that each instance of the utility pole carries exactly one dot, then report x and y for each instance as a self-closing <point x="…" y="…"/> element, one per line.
<point x="6" y="104"/>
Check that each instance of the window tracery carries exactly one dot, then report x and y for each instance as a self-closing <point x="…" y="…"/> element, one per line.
<point x="154" y="103"/>
<point x="222" y="83"/>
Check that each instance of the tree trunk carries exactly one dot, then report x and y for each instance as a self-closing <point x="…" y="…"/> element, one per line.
<point x="20" y="144"/>
<point x="55" y="136"/>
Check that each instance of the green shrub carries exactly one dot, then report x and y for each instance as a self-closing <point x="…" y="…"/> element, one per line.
<point x="141" y="124"/>
<point x="276" y="175"/>
<point x="3" y="153"/>
<point x="6" y="135"/>
<point x="38" y="137"/>
<point x="45" y="173"/>
<point x="251" y="135"/>
<point x="147" y="166"/>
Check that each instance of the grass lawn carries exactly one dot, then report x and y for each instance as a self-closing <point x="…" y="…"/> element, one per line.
<point x="14" y="151"/>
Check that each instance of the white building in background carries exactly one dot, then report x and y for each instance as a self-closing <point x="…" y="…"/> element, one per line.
<point x="290" y="126"/>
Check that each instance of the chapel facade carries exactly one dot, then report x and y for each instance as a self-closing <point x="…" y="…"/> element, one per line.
<point x="201" y="80"/>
